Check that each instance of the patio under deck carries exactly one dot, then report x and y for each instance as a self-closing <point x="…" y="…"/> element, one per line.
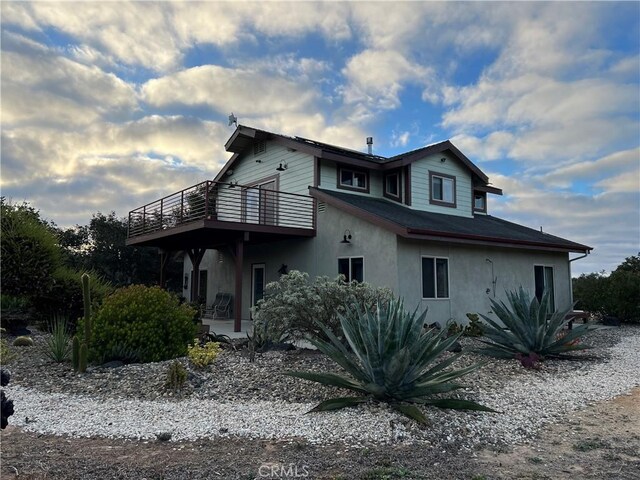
<point x="215" y="215"/>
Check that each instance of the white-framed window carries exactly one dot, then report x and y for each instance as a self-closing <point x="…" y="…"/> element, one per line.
<point x="443" y="189"/>
<point x="350" y="179"/>
<point x="435" y="277"/>
<point x="543" y="281"/>
<point x="352" y="268"/>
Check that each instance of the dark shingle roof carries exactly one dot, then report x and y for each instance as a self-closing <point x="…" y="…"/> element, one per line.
<point x="478" y="228"/>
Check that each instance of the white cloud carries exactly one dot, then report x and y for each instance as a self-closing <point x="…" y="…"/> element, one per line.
<point x="400" y="139"/>
<point x="42" y="87"/>
<point x="375" y="78"/>
<point x="245" y="92"/>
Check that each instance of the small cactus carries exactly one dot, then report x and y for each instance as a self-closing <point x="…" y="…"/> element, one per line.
<point x="82" y="360"/>
<point x="23" y="342"/>
<point x="75" y="353"/>
<point x="86" y="296"/>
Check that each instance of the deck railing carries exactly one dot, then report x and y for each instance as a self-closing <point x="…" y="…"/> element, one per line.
<point x="224" y="202"/>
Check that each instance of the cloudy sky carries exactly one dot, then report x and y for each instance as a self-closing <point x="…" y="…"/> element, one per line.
<point x="107" y="106"/>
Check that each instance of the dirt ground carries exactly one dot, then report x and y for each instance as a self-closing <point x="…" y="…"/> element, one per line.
<point x="600" y="442"/>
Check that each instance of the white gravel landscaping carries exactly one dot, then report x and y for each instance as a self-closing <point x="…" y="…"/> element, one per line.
<point x="526" y="403"/>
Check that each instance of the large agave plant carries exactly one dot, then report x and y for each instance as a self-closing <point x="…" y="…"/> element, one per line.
<point x="392" y="359"/>
<point x="528" y="331"/>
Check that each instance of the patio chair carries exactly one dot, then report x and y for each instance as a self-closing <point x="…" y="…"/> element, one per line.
<point x="221" y="307"/>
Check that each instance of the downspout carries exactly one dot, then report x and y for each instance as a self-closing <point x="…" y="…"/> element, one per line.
<point x="571" y="278"/>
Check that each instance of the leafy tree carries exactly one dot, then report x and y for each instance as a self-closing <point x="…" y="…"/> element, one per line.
<point x="30" y="252"/>
<point x="617" y="294"/>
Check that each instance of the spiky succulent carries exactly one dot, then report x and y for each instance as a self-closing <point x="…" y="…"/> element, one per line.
<point x="392" y="359"/>
<point x="528" y="328"/>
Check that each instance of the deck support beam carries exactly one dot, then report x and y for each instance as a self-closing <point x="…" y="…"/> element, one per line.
<point x="237" y="306"/>
<point x="164" y="258"/>
<point x="195" y="255"/>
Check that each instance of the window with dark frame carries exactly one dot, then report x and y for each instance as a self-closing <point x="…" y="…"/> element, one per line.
<point x="543" y="278"/>
<point x="435" y="277"/>
<point x="353" y="179"/>
<point x="443" y="189"/>
<point x="480" y="202"/>
<point x="352" y="268"/>
<point x="392" y="186"/>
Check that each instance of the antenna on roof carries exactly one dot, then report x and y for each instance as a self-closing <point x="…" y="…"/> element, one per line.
<point x="233" y="119"/>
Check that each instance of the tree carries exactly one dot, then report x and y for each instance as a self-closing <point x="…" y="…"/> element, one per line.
<point x="106" y="252"/>
<point x="30" y="252"/>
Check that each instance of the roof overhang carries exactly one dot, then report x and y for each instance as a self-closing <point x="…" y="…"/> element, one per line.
<point x="439" y="236"/>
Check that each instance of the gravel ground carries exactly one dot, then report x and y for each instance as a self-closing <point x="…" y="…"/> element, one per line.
<point x="235" y="398"/>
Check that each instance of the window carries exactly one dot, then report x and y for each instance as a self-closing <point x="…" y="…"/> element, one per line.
<point x="443" y="189"/>
<point x="544" y="282"/>
<point x="435" y="277"/>
<point x="392" y="187"/>
<point x="352" y="268"/>
<point x="480" y="202"/>
<point x="353" y="180"/>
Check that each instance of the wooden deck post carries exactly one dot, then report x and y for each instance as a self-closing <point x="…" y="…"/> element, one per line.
<point x="164" y="258"/>
<point x="237" y="306"/>
<point x="195" y="255"/>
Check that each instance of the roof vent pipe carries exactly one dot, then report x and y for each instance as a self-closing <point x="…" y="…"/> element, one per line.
<point x="370" y="145"/>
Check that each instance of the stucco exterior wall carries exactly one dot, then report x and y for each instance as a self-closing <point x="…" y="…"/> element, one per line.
<point x="220" y="273"/>
<point x="470" y="276"/>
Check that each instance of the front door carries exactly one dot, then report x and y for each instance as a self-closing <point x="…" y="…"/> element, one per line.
<point x="257" y="282"/>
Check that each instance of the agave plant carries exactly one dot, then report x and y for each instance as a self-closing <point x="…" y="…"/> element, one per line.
<point x="392" y="359"/>
<point x="528" y="331"/>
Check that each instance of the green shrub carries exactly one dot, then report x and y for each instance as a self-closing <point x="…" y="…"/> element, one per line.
<point x="293" y="305"/>
<point x="617" y="295"/>
<point x="15" y="313"/>
<point x="65" y="296"/>
<point x="29" y="250"/>
<point x="148" y="320"/>
<point x="474" y="328"/>
<point x="393" y="359"/>
<point x="122" y="353"/>
<point x="528" y="333"/>
<point x="201" y="356"/>
<point x="58" y="344"/>
<point x="6" y="355"/>
<point x="176" y="376"/>
<point x="23" y="342"/>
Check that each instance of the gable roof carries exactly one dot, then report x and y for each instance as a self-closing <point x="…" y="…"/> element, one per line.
<point x="245" y="136"/>
<point x="409" y="223"/>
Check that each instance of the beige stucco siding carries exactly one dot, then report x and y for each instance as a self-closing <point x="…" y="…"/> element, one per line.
<point x="420" y="188"/>
<point x="470" y="276"/>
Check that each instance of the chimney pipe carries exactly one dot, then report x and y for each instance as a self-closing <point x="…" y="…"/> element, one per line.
<point x="370" y="145"/>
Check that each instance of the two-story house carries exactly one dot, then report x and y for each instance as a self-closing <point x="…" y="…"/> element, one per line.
<point x="418" y="223"/>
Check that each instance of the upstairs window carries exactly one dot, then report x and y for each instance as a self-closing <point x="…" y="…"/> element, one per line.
<point x="480" y="202"/>
<point x="392" y="187"/>
<point x="352" y="268"/>
<point x="349" y="179"/>
<point x="443" y="189"/>
<point x="435" y="277"/>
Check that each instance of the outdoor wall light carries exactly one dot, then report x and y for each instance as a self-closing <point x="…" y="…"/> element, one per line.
<point x="233" y="183"/>
<point x="258" y="160"/>
<point x="186" y="282"/>
<point x="443" y="159"/>
<point x="282" y="167"/>
<point x="346" y="238"/>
